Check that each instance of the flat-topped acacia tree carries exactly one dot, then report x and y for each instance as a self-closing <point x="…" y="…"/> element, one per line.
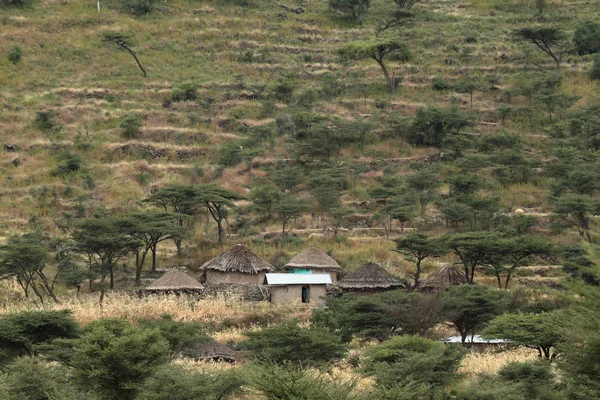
<point x="379" y="49"/>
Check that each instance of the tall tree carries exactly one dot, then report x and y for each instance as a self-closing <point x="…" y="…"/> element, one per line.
<point x="123" y="41"/>
<point x="469" y="308"/>
<point x="578" y="210"/>
<point x="103" y="241"/>
<point x="149" y="229"/>
<point x="217" y="201"/>
<point x="471" y="248"/>
<point x="181" y="200"/>
<point x="289" y="207"/>
<point x="264" y="197"/>
<point x="550" y="40"/>
<point x="417" y="247"/>
<point x="379" y="49"/>
<point x="25" y="257"/>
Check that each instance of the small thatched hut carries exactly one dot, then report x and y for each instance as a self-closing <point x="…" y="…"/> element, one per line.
<point x="369" y="279"/>
<point x="238" y="265"/>
<point x="314" y="261"/>
<point x="209" y="351"/>
<point x="442" y="279"/>
<point x="176" y="282"/>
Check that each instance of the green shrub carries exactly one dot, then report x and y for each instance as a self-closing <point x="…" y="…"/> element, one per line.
<point x="131" y="124"/>
<point x="186" y="92"/>
<point x="31" y="379"/>
<point x="15" y="54"/>
<point x="587" y="38"/>
<point x="69" y="164"/>
<point x="230" y="154"/>
<point x="595" y="71"/>
<point x="440" y="84"/>
<point x="180" y="335"/>
<point x="13" y="3"/>
<point x="406" y="360"/>
<point x="350" y="10"/>
<point x="44" y="121"/>
<point x="289" y="343"/>
<point x="283" y="91"/>
<point x="288" y="382"/>
<point x="138" y="7"/>
<point x="114" y="359"/>
<point x="173" y="382"/>
<point x="28" y="332"/>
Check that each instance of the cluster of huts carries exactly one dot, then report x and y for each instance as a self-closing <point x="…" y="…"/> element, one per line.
<point x="308" y="278"/>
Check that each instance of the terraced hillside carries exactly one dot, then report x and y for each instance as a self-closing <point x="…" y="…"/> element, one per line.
<point x="261" y="75"/>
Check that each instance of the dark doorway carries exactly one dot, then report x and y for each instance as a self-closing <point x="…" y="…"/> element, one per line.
<point x="305" y="294"/>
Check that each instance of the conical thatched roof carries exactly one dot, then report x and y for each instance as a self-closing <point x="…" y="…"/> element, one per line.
<point x="210" y="351"/>
<point x="175" y="280"/>
<point x="238" y="259"/>
<point x="442" y="279"/>
<point x="313" y="258"/>
<point x="370" y="276"/>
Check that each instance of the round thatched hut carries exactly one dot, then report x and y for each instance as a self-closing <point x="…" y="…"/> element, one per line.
<point x="238" y="265"/>
<point x="442" y="279"/>
<point x="369" y="279"/>
<point x="314" y="261"/>
<point x="176" y="282"/>
<point x="210" y="351"/>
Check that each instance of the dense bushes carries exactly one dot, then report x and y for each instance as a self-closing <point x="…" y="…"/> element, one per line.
<point x="350" y="10"/>
<point x="288" y="343"/>
<point x="587" y="38"/>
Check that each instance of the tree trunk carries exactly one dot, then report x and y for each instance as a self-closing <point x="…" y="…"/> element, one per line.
<point x="417" y="274"/>
<point x="283" y="228"/>
<point x="178" y="245"/>
<point x="220" y="229"/>
<point x="136" y="60"/>
<point x="102" y="285"/>
<point x="154" y="257"/>
<point x="111" y="270"/>
<point x="389" y="80"/>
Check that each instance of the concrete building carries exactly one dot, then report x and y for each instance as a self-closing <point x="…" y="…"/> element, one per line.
<point x="297" y="288"/>
<point x="238" y="265"/>
<point x="314" y="261"/>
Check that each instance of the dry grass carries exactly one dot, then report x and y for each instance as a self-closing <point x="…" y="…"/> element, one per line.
<point x="491" y="362"/>
<point x="130" y="308"/>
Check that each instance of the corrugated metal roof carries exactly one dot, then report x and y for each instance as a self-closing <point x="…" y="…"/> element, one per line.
<point x="473" y="339"/>
<point x="298" y="279"/>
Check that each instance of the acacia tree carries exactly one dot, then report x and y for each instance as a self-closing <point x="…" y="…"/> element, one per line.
<point x="469" y="308"/>
<point x="289" y="207"/>
<point x="123" y="42"/>
<point x="538" y="331"/>
<point x="24" y="258"/>
<point x="504" y="256"/>
<point x="379" y="49"/>
<point x="217" y="201"/>
<point x="578" y="209"/>
<point x="552" y="41"/>
<point x="417" y="247"/>
<point x="149" y="229"/>
<point x="103" y="241"/>
<point x="182" y="200"/>
<point x="471" y="248"/>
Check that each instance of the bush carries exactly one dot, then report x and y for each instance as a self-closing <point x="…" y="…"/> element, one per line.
<point x="13" y="3"/>
<point x="595" y="71"/>
<point x="44" y="121"/>
<point x="15" y="53"/>
<point x="587" y="38"/>
<point x="186" y="92"/>
<point x="138" y="7"/>
<point x="289" y="343"/>
<point x="69" y="163"/>
<point x="131" y="124"/>
<point x="32" y="379"/>
<point x="433" y="124"/>
<point x="114" y="358"/>
<point x="27" y="332"/>
<point x="350" y="10"/>
<point x="440" y="84"/>
<point x="407" y="360"/>
<point x="180" y="335"/>
<point x="536" y="378"/>
<point x="173" y="382"/>
<point x="230" y="154"/>
<point x="283" y="91"/>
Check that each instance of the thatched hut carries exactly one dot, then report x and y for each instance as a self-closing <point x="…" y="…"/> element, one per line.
<point x="442" y="279"/>
<point x="314" y="261"/>
<point x="209" y="351"/>
<point x="369" y="279"/>
<point x="238" y="265"/>
<point x="175" y="282"/>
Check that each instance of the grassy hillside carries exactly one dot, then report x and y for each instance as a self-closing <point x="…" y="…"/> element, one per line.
<point x="252" y="64"/>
